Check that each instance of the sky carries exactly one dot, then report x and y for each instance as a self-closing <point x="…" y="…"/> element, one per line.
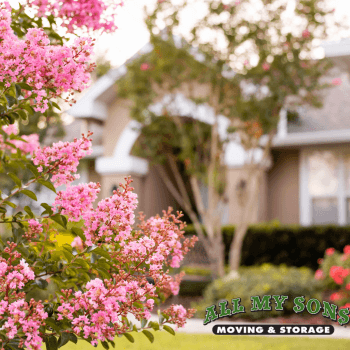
<point x="132" y="33"/>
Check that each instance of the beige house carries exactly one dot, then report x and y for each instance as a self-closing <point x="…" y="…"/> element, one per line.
<point x="306" y="182"/>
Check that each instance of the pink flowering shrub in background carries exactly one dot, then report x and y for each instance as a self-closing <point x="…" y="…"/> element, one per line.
<point x="48" y="71"/>
<point x="335" y="271"/>
<point x="85" y="14"/>
<point x="114" y="269"/>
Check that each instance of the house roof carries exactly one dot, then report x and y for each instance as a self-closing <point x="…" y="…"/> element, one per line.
<point x="315" y="125"/>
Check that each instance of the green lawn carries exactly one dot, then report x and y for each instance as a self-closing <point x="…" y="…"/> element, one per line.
<point x="166" y="341"/>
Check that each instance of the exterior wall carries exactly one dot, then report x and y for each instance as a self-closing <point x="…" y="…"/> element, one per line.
<point x="259" y="213"/>
<point x="152" y="195"/>
<point x="94" y="176"/>
<point x="283" y="187"/>
<point x="118" y="119"/>
<point x="156" y="197"/>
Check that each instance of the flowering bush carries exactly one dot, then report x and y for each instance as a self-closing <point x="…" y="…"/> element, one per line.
<point x="112" y="269"/>
<point x="85" y="14"/>
<point x="334" y="270"/>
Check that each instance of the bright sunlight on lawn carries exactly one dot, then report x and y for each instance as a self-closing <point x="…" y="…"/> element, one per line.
<point x="165" y="341"/>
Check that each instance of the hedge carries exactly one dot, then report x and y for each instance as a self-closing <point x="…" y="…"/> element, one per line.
<point x="263" y="280"/>
<point x="292" y="245"/>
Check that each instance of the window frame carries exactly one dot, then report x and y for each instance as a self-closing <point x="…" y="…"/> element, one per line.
<point x="305" y="198"/>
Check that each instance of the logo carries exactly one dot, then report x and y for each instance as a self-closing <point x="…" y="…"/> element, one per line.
<point x="276" y="302"/>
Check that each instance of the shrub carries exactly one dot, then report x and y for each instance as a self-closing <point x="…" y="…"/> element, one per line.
<point x="292" y="245"/>
<point x="334" y="271"/>
<point x="263" y="280"/>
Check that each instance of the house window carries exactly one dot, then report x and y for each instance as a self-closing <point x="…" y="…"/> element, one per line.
<point x="325" y="187"/>
<point x="323" y="184"/>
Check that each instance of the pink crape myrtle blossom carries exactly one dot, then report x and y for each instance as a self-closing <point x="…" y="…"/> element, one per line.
<point x="265" y="66"/>
<point x="178" y="314"/>
<point x="85" y="14"/>
<point x="28" y="147"/>
<point x="62" y="158"/>
<point x="20" y="315"/>
<point x="76" y="200"/>
<point x="336" y="81"/>
<point x="41" y="65"/>
<point x="114" y="212"/>
<point x="77" y="243"/>
<point x="24" y="317"/>
<point x="306" y="34"/>
<point x="135" y="260"/>
<point x="35" y="229"/>
<point x="144" y="66"/>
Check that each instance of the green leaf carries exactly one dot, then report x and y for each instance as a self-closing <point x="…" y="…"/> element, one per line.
<point x="69" y="256"/>
<point x="29" y="109"/>
<point x="33" y="169"/>
<point x="10" y="100"/>
<point x="18" y="90"/>
<point x="105" y="345"/>
<point x="30" y="194"/>
<point x="42" y="284"/>
<point x="149" y="335"/>
<point x="10" y="204"/>
<point x="101" y="252"/>
<point x="51" y="343"/>
<point x="47" y="184"/>
<point x="154" y="325"/>
<point x="25" y="86"/>
<point x="48" y="209"/>
<point x="129" y="337"/>
<point x="59" y="219"/>
<point x="10" y="144"/>
<point x="169" y="330"/>
<point x="70" y="272"/>
<point x="23" y="114"/>
<point x="15" y="179"/>
<point x="29" y="211"/>
<point x="138" y="305"/>
<point x="73" y="338"/>
<point x="79" y="232"/>
<point x="65" y="338"/>
<point x="56" y="105"/>
<point x="52" y="323"/>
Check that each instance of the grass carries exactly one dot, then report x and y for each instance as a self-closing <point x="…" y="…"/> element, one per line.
<point x="165" y="341"/>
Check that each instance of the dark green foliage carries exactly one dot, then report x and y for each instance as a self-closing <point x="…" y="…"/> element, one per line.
<point x="290" y="245"/>
<point x="263" y="280"/>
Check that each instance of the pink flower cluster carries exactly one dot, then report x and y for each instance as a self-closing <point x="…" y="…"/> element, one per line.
<point x="50" y="70"/>
<point x="62" y="158"/>
<point x="137" y="258"/>
<point x="20" y="315"/>
<point x="97" y="312"/>
<point x="35" y="229"/>
<point x="76" y="200"/>
<point x="14" y="277"/>
<point x="26" y="318"/>
<point x="178" y="314"/>
<point x="31" y="144"/>
<point x="338" y="274"/>
<point x="112" y="219"/>
<point x="86" y="14"/>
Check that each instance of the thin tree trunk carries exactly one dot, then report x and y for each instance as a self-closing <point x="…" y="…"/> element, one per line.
<point x="253" y="185"/>
<point x="186" y="206"/>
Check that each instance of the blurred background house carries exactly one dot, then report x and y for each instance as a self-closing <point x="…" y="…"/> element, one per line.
<point x="307" y="180"/>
